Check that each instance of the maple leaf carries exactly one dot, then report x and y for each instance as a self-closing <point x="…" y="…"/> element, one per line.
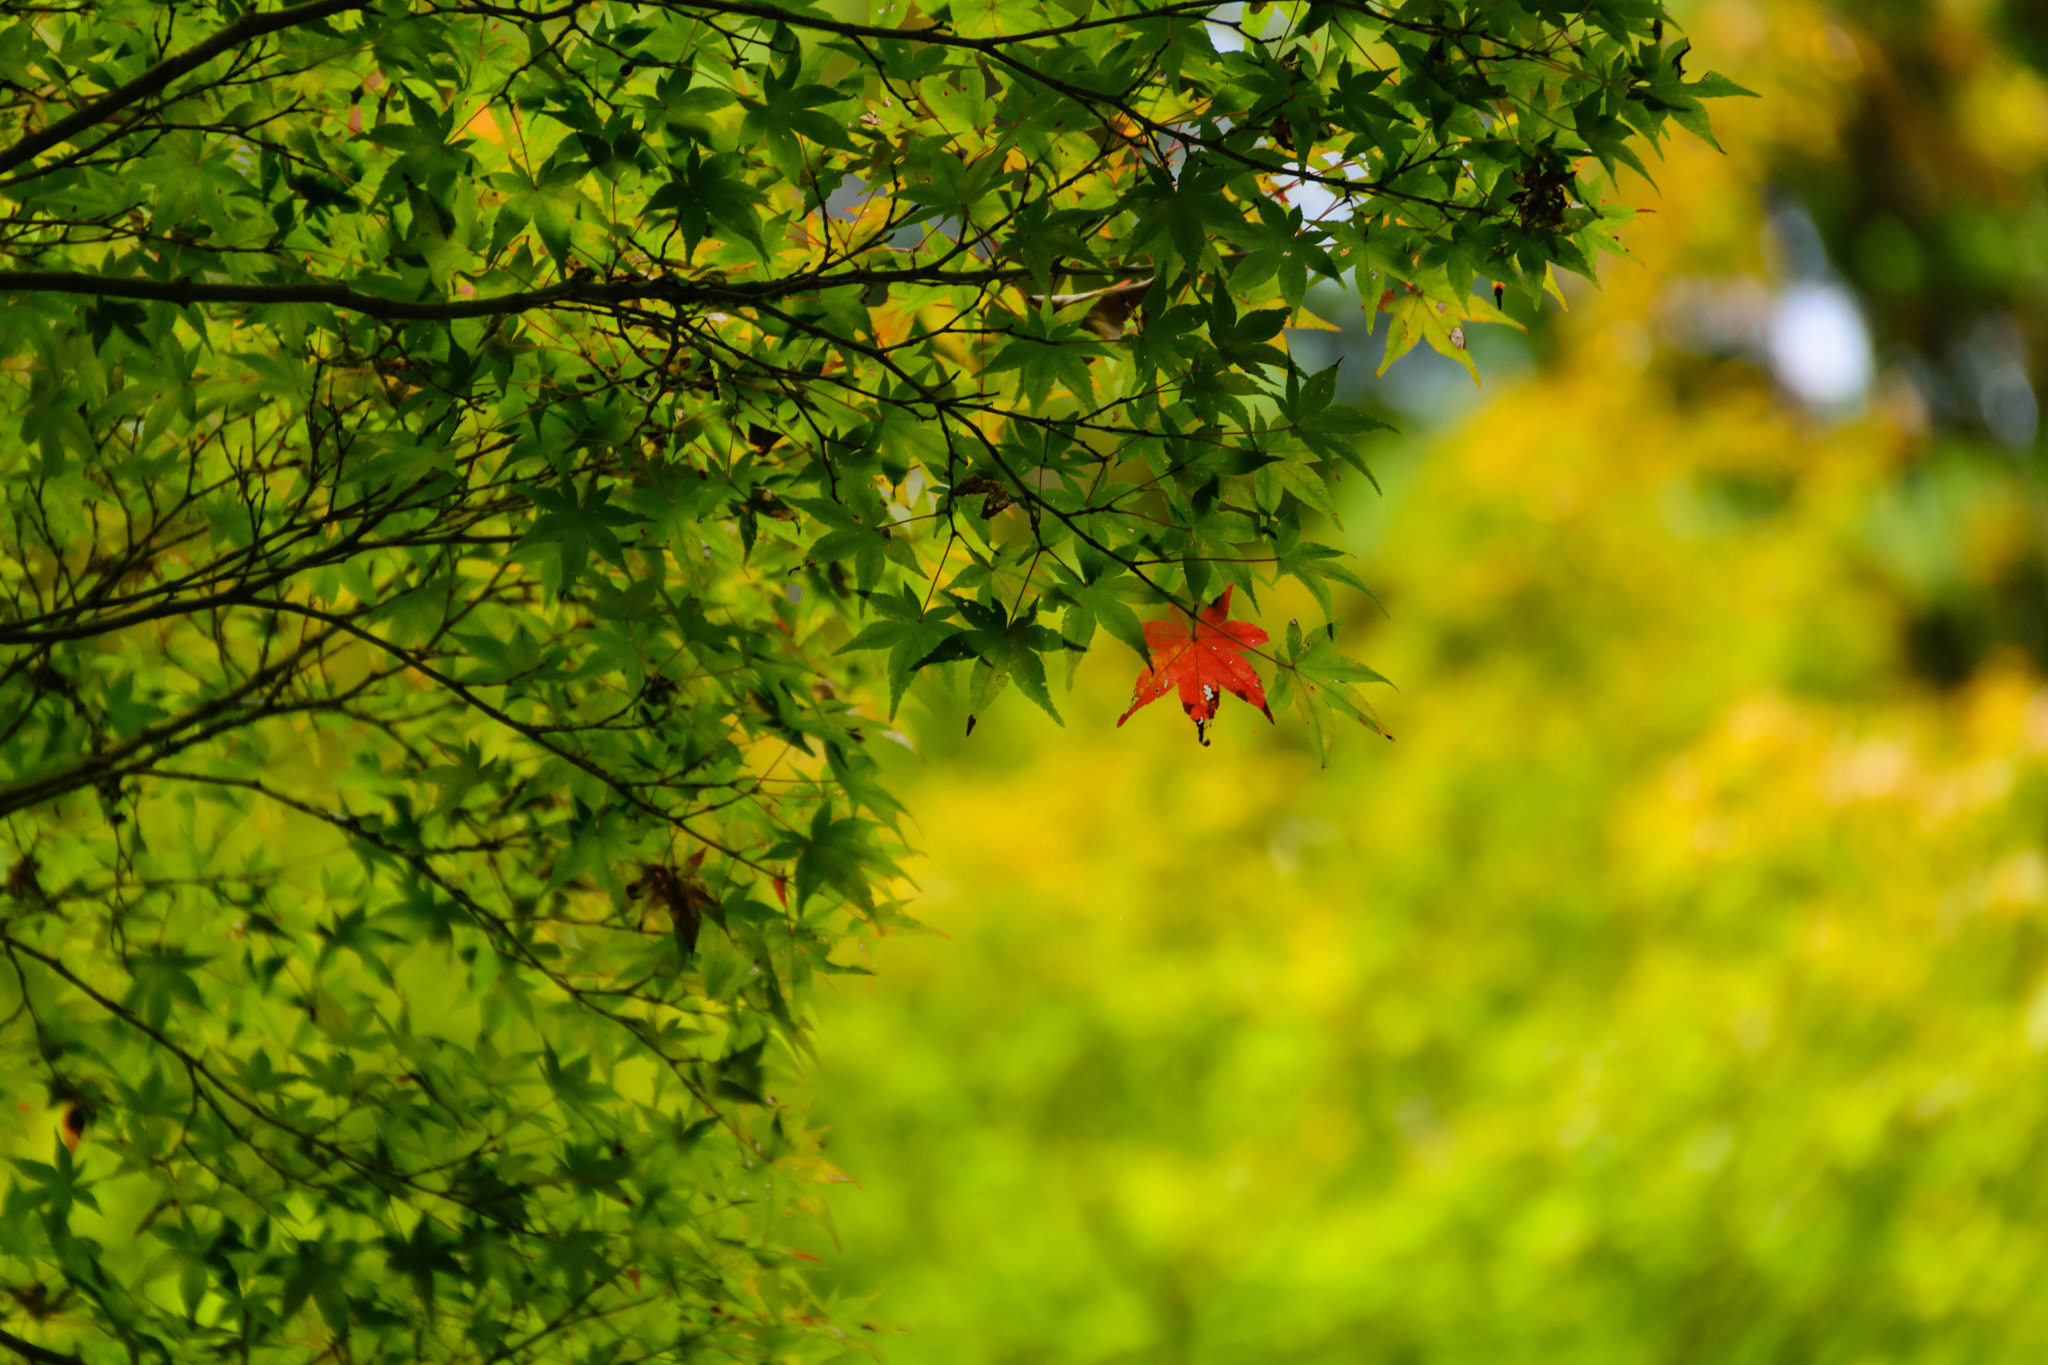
<point x="1204" y="662"/>
<point x="1438" y="320"/>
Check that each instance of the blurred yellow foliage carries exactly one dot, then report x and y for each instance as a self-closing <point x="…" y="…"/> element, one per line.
<point x="1676" y="989"/>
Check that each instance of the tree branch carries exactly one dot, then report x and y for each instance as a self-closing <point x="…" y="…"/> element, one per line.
<point x="601" y="293"/>
<point x="28" y="1350"/>
<point x="188" y="292"/>
<point x="244" y="30"/>
<point x="165" y="737"/>
<point x="1063" y="300"/>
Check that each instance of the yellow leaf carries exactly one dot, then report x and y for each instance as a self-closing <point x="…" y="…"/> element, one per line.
<point x="1417" y="317"/>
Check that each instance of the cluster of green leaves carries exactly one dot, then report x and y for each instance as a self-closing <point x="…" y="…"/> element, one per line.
<point x="466" y="453"/>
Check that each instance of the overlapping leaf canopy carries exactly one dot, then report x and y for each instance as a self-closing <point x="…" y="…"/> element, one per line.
<point x="479" y="476"/>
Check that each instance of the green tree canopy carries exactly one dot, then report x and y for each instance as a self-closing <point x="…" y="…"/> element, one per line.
<point x="487" y="473"/>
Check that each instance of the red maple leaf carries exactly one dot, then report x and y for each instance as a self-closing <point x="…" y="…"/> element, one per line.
<point x="1204" y="659"/>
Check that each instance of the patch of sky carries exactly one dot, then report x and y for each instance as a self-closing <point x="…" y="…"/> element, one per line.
<point x="1222" y="36"/>
<point x="846" y="203"/>
<point x="1804" y="325"/>
<point x="1815" y="339"/>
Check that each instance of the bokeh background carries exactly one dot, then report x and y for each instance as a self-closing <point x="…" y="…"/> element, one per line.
<point x="1675" y="989"/>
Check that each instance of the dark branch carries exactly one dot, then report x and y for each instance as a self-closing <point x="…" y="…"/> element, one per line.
<point x="28" y="1350"/>
<point x="189" y="292"/>
<point x="157" y="741"/>
<point x="244" y="30"/>
<point x="597" y="293"/>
